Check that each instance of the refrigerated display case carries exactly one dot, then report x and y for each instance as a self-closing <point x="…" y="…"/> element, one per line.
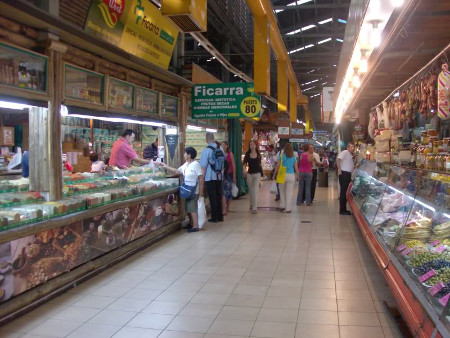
<point x="405" y="218"/>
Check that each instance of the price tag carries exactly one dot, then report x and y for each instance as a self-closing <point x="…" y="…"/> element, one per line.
<point x="444" y="299"/>
<point x="436" y="242"/>
<point x="427" y="275"/>
<point x="407" y="251"/>
<point x="401" y="247"/>
<point x="436" y="288"/>
<point x="440" y="249"/>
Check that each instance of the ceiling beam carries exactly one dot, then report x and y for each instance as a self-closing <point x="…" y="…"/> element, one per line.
<point x="315" y="6"/>
<point x="302" y="54"/>
<point x="314" y="35"/>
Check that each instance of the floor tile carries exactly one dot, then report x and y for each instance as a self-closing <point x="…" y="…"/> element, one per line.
<point x="273" y="329"/>
<point x="318" y="317"/>
<point x="232" y="327"/>
<point x="55" y="328"/>
<point x="353" y="305"/>
<point x="360" y="331"/>
<point x="243" y="300"/>
<point x="180" y="334"/>
<point x="90" y="329"/>
<point x="151" y="321"/>
<point x="127" y="304"/>
<point x="164" y="308"/>
<point x="76" y="314"/>
<point x="281" y="303"/>
<point x="284" y="291"/>
<point x="317" y="331"/>
<point x="209" y="298"/>
<point x="319" y="284"/>
<point x="354" y="294"/>
<point x="358" y="319"/>
<point x="318" y="304"/>
<point x="201" y="310"/>
<point x="318" y="293"/>
<point x="96" y="302"/>
<point x="278" y="315"/>
<point x="137" y="332"/>
<point x="112" y="317"/>
<point x="190" y="324"/>
<point x="239" y="312"/>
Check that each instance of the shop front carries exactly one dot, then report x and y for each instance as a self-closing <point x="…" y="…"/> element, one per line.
<point x="62" y="109"/>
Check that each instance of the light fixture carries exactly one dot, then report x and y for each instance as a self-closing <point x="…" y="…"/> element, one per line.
<point x="325" y="21"/>
<point x="209" y="130"/>
<point x="194" y="128"/>
<point x="397" y="3"/>
<point x="342" y="21"/>
<point x="340" y="40"/>
<point x="375" y="34"/>
<point x="356" y="83"/>
<point x="323" y="41"/>
<point x="363" y="66"/>
<point x="118" y="120"/>
<point x="13" y="105"/>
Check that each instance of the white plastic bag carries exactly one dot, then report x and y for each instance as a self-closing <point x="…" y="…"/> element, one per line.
<point x="273" y="188"/>
<point x="234" y="190"/>
<point x="201" y="212"/>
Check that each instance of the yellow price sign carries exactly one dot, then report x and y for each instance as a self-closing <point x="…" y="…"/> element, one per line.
<point x="250" y="106"/>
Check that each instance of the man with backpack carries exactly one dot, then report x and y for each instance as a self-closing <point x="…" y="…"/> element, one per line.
<point x="212" y="161"/>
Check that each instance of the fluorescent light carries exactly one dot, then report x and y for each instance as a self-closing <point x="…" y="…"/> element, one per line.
<point x="118" y="119"/>
<point x="307" y="27"/>
<point x="63" y="110"/>
<point x="446" y="215"/>
<point x="397" y="3"/>
<point x="325" y="21"/>
<point x="13" y="105"/>
<point x="319" y="143"/>
<point x="309" y="46"/>
<point x="342" y="21"/>
<point x="339" y="40"/>
<point x="397" y="94"/>
<point x="311" y="71"/>
<point x="315" y="95"/>
<point x="323" y="41"/>
<point x="304" y="90"/>
<point x="211" y="130"/>
<point x="194" y="128"/>
<point x="324" y="83"/>
<point x="264" y="106"/>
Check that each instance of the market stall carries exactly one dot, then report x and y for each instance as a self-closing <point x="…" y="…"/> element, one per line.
<point x="60" y="223"/>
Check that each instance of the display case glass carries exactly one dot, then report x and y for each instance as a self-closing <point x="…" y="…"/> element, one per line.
<point x="23" y="69"/>
<point x="169" y="105"/>
<point x="82" y="84"/>
<point x="412" y="224"/>
<point x="120" y="94"/>
<point x="146" y="100"/>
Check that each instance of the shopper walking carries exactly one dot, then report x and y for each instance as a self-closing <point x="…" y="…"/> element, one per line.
<point x="211" y="162"/>
<point x="289" y="161"/>
<point x="193" y="177"/>
<point x="345" y="165"/>
<point x="253" y="171"/>
<point x="315" y="165"/>
<point x="305" y="177"/>
<point x="229" y="178"/>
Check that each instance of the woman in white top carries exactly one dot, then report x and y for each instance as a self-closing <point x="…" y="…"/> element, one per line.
<point x="193" y="176"/>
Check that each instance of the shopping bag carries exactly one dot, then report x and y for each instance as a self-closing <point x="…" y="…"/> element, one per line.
<point x="281" y="175"/>
<point x="273" y="188"/>
<point x="201" y="212"/>
<point x="234" y="190"/>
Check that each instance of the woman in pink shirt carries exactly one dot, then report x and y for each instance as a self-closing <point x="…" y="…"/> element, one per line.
<point x="305" y="168"/>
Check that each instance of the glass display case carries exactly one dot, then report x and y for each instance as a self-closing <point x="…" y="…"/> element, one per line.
<point x="146" y="100"/>
<point x="169" y="105"/>
<point x="23" y="69"/>
<point x="82" y="84"/>
<point x="408" y="211"/>
<point x="120" y="94"/>
<point x="20" y="206"/>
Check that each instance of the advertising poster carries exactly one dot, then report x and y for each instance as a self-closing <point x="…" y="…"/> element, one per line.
<point x="6" y="275"/>
<point x="38" y="258"/>
<point x="225" y="101"/>
<point x="136" y="26"/>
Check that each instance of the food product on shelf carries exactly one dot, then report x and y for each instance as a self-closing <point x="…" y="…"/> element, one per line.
<point x="442" y="275"/>
<point x="434" y="264"/>
<point x="425" y="258"/>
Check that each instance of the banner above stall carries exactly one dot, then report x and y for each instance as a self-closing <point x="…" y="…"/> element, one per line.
<point x="225" y="101"/>
<point x="136" y="26"/>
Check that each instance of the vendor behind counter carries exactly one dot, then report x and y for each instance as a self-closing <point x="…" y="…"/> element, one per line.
<point x="122" y="152"/>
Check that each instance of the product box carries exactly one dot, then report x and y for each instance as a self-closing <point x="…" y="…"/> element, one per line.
<point x="7" y="136"/>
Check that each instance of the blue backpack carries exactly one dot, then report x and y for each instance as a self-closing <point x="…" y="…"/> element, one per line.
<point x="217" y="161"/>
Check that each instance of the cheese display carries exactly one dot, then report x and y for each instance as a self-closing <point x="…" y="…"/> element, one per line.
<point x="408" y="212"/>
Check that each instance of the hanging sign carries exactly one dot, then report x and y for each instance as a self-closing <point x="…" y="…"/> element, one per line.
<point x="172" y="142"/>
<point x="136" y="26"/>
<point x="225" y="101"/>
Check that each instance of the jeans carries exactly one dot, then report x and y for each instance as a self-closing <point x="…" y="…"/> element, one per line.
<point x="253" y="181"/>
<point x="313" y="184"/>
<point x="304" y="185"/>
<point x="344" y="182"/>
<point x="214" y="189"/>
<point x="286" y="190"/>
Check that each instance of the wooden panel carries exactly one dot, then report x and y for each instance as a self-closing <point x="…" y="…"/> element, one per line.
<point x="74" y="11"/>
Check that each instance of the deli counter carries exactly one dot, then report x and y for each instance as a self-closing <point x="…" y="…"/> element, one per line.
<point x="404" y="216"/>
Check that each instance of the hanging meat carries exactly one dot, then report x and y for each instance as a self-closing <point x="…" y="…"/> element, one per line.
<point x="387" y="121"/>
<point x="381" y="124"/>
<point x="444" y="93"/>
<point x="423" y="97"/>
<point x="397" y="108"/>
<point x="432" y="96"/>
<point x="372" y="125"/>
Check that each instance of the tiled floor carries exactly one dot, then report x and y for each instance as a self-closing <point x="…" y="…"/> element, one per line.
<point x="306" y="274"/>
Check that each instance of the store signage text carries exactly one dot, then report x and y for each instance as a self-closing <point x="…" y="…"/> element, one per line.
<point x="136" y="26"/>
<point x="225" y="101"/>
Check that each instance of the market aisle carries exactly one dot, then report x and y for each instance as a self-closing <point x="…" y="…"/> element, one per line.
<point x="306" y="274"/>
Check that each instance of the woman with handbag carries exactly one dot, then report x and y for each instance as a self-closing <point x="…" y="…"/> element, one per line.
<point x="254" y="172"/>
<point x="229" y="177"/>
<point x="306" y="174"/>
<point x="286" y="173"/>
<point x="192" y="186"/>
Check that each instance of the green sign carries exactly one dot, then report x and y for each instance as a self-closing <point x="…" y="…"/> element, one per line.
<point x="225" y="101"/>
